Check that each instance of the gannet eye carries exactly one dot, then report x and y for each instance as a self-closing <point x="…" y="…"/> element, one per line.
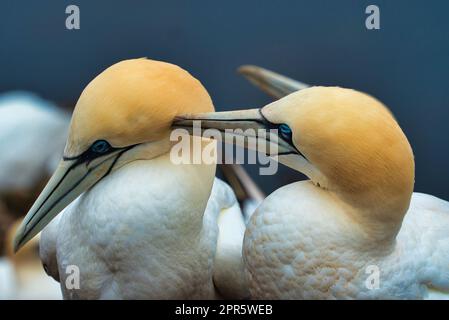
<point x="100" y="146"/>
<point x="286" y="132"/>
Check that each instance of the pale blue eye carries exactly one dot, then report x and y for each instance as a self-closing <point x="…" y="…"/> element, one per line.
<point x="100" y="146"/>
<point x="286" y="132"/>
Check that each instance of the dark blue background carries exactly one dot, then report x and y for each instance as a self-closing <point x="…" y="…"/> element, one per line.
<point x="405" y="64"/>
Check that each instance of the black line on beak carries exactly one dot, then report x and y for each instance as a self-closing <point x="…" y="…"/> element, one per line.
<point x="264" y="122"/>
<point x="77" y="163"/>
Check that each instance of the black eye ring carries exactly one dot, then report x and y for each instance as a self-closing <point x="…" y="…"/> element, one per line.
<point x="286" y="132"/>
<point x="100" y="146"/>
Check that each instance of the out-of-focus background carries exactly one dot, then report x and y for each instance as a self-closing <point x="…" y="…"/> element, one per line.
<point x="405" y="64"/>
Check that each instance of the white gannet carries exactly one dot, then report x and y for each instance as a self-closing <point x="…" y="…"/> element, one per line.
<point x="248" y="193"/>
<point x="24" y="278"/>
<point x="355" y="229"/>
<point x="7" y="281"/>
<point x="143" y="227"/>
<point x="27" y="123"/>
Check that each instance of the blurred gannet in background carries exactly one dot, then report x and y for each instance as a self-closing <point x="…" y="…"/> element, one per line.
<point x="21" y="275"/>
<point x="7" y="281"/>
<point x="248" y="193"/>
<point x="27" y="124"/>
<point x="143" y="228"/>
<point x="356" y="220"/>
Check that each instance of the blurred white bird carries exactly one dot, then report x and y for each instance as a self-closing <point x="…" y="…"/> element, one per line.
<point x="355" y="229"/>
<point x="144" y="227"/>
<point x="27" y="125"/>
<point x="21" y="274"/>
<point x="27" y="159"/>
<point x="7" y="279"/>
<point x="248" y="193"/>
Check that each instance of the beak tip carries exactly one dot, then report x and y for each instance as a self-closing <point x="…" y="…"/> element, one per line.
<point x="19" y="239"/>
<point x="247" y="69"/>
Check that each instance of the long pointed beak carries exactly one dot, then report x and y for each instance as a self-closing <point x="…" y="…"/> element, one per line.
<point x="259" y="134"/>
<point x="71" y="178"/>
<point x="274" y="84"/>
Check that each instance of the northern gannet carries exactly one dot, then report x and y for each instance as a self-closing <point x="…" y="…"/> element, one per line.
<point x="355" y="230"/>
<point x="248" y="193"/>
<point x="27" y="123"/>
<point x="142" y="226"/>
<point x="7" y="283"/>
<point x="21" y="274"/>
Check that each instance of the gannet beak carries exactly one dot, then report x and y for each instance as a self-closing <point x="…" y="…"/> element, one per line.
<point x="274" y="84"/>
<point x="250" y="124"/>
<point x="71" y="178"/>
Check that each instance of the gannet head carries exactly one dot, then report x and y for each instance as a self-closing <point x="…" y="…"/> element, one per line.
<point x="345" y="141"/>
<point x="123" y="115"/>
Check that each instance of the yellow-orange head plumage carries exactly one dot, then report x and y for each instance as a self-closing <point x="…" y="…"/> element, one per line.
<point x="134" y="101"/>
